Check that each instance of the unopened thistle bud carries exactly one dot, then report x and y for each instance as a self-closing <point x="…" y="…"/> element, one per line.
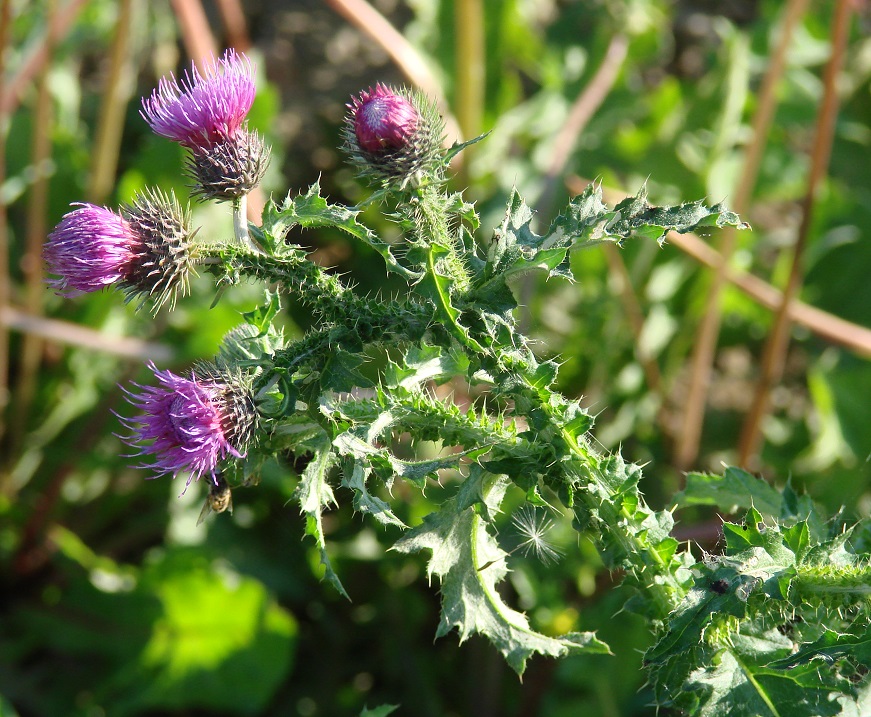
<point x="189" y="425"/>
<point x="144" y="249"/>
<point x="394" y="136"/>
<point x="205" y="112"/>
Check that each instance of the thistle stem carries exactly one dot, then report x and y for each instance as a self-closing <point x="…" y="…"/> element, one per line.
<point x="240" y="225"/>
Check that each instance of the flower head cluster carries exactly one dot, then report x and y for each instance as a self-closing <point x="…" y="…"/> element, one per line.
<point x="394" y="136"/>
<point x="191" y="424"/>
<point x="145" y="249"/>
<point x="205" y="112"/>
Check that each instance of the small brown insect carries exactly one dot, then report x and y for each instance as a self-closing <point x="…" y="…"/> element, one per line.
<point x="219" y="499"/>
<point x="720" y="586"/>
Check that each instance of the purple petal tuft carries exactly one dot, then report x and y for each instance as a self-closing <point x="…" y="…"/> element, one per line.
<point x="181" y="425"/>
<point x="203" y="108"/>
<point x="91" y="248"/>
<point x="382" y="119"/>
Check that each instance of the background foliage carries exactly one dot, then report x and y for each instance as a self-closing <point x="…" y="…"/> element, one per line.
<point x="115" y="602"/>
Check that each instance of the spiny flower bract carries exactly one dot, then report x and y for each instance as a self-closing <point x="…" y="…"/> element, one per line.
<point x="145" y="249"/>
<point x="164" y="261"/>
<point x="189" y="425"/>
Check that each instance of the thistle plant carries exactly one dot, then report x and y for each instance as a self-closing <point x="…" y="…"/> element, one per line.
<point x="778" y="623"/>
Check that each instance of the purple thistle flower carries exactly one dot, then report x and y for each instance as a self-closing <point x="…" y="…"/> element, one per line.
<point x="190" y="424"/>
<point x="383" y="120"/>
<point x="203" y="109"/>
<point x="205" y="112"/>
<point x="91" y="248"/>
<point x="145" y="249"/>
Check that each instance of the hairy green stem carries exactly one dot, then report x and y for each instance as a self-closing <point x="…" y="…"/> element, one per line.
<point x="429" y="216"/>
<point x="835" y="580"/>
<point x="240" y="225"/>
<point x="331" y="301"/>
<point x="600" y="502"/>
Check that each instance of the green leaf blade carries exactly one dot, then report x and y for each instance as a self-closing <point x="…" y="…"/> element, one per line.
<point x="469" y="563"/>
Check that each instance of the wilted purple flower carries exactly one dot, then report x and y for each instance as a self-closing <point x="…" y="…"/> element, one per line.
<point x="205" y="112"/>
<point x="394" y="136"/>
<point x="191" y="424"/>
<point x="382" y="119"/>
<point x="205" y="108"/>
<point x="91" y="248"/>
<point x="145" y="249"/>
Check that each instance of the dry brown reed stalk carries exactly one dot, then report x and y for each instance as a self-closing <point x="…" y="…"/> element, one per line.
<point x="705" y="346"/>
<point x="30" y="357"/>
<point x="196" y="35"/>
<point x="635" y="315"/>
<point x="582" y="110"/>
<point x="116" y="96"/>
<point x="5" y="278"/>
<point x="235" y="25"/>
<point x="777" y="344"/>
<point x="82" y="337"/>
<point x="32" y="66"/>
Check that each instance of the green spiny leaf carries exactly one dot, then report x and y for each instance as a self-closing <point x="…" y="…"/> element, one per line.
<point x="314" y="493"/>
<point x="426" y="363"/>
<point x="830" y="647"/>
<point x="311" y="210"/>
<point x="735" y="684"/>
<point x="635" y="217"/>
<point x="469" y="564"/>
<point x="735" y="489"/>
<point x="364" y="501"/>
<point x="339" y="372"/>
<point x="263" y="316"/>
<point x="380" y="711"/>
<point x="458" y="147"/>
<point x="517" y="249"/>
<point x="439" y="285"/>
